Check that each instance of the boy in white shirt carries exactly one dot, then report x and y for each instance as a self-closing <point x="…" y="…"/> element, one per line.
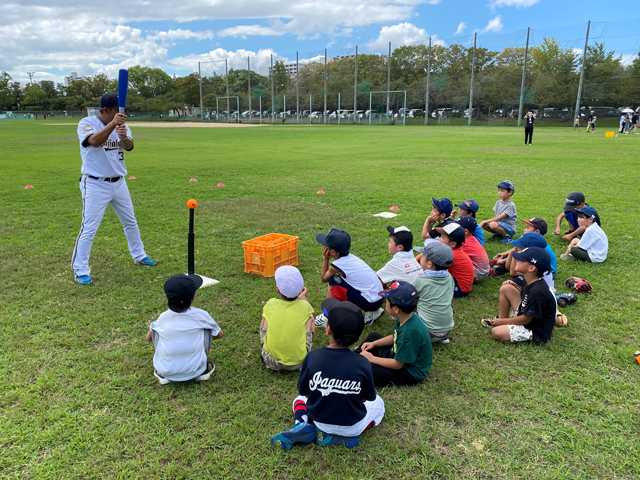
<point x="403" y="265"/>
<point x="594" y="244"/>
<point x="182" y="335"/>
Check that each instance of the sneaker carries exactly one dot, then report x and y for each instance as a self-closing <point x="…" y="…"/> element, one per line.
<point x="567" y="256"/>
<point x="147" y="262"/>
<point x="327" y="440"/>
<point x="506" y="239"/>
<point x="84" y="279"/>
<point x="205" y="376"/>
<point x="321" y="320"/>
<point x="446" y="340"/>
<point x="161" y="379"/>
<point x="302" y="433"/>
<point x="487" y="322"/>
<point x="370" y="317"/>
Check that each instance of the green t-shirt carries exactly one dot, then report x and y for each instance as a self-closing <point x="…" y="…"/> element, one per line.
<point x="412" y="346"/>
<point x="434" y="305"/>
<point x="286" y="338"/>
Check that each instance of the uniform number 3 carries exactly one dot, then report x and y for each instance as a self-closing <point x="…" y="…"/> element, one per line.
<point x="121" y="156"/>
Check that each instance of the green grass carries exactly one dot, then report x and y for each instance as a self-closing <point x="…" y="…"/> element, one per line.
<point x="77" y="394"/>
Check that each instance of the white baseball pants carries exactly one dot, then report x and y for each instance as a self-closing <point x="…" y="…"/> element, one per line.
<point x="96" y="195"/>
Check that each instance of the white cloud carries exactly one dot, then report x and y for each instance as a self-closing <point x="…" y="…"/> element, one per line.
<point x="246" y="30"/>
<point x="400" y="34"/>
<point x="494" y="25"/>
<point x="514" y="3"/>
<point x="628" y="58"/>
<point x="461" y="27"/>
<point x="180" y="34"/>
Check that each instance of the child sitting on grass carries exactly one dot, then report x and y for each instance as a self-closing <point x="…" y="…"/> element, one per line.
<point x="338" y="398"/>
<point x="470" y="208"/>
<point x="349" y="278"/>
<point x="405" y="357"/>
<point x="504" y="224"/>
<point x="473" y="249"/>
<point x="594" y="244"/>
<point x="439" y="217"/>
<point x="536" y="313"/>
<point x="287" y="327"/>
<point x="403" y="265"/>
<point x="573" y="201"/>
<point x="435" y="289"/>
<point x="182" y="335"/>
<point x="461" y="269"/>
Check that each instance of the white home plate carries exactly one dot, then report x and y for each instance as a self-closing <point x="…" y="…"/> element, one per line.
<point x="386" y="215"/>
<point x="206" y="281"/>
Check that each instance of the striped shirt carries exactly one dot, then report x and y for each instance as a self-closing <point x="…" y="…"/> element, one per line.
<point x="510" y="209"/>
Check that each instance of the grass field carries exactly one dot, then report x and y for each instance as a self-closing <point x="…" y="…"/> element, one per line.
<point x="77" y="394"/>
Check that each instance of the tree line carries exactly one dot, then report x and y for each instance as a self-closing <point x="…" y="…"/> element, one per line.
<point x="551" y="81"/>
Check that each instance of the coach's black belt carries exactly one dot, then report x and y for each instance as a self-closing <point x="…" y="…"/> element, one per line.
<point x="110" y="179"/>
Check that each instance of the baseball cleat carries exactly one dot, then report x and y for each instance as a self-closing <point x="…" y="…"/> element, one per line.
<point x="206" y="375"/>
<point x="321" y="320"/>
<point x="370" y="317"/>
<point x="327" y="440"/>
<point x="302" y="433"/>
<point x="161" y="379"/>
<point x="84" y="279"/>
<point x="147" y="262"/>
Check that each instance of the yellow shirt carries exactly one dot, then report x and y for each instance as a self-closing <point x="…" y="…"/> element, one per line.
<point x="286" y="338"/>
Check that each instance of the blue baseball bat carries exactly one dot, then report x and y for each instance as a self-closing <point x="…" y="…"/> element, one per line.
<point x="123" y="84"/>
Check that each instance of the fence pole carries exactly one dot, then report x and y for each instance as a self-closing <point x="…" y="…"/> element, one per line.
<point x="249" y="85"/>
<point x="370" y="107"/>
<point x="524" y="72"/>
<point x="426" y="106"/>
<point x="339" y="111"/>
<point x="404" y="108"/>
<point x="584" y="59"/>
<point x="325" y="87"/>
<point x="200" y="81"/>
<point x="226" y="74"/>
<point x="310" y="108"/>
<point x="473" y="71"/>
<point x="297" y="90"/>
<point x="355" y="89"/>
<point x="388" y="82"/>
<point x="273" y="97"/>
<point x="284" y="107"/>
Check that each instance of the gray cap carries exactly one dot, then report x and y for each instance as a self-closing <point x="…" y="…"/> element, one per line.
<point x="438" y="253"/>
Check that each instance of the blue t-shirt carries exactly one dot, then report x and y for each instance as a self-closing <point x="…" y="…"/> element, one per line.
<point x="338" y="381"/>
<point x="572" y="218"/>
<point x="479" y="234"/>
<point x="554" y="260"/>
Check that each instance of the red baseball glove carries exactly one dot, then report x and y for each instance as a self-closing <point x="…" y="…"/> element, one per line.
<point x="578" y="284"/>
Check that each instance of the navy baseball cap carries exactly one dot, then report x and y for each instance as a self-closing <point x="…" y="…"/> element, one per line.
<point x="403" y="234"/>
<point x="470" y="205"/>
<point x="444" y="205"/>
<point x="400" y="293"/>
<point x="344" y="318"/>
<point x="337" y="239"/>
<point x="532" y="239"/>
<point x="573" y="199"/>
<point x="110" y="100"/>
<point x="588" y="211"/>
<point x="538" y="223"/>
<point x="455" y="232"/>
<point x="468" y="222"/>
<point x="535" y="256"/>
<point x="508" y="184"/>
<point x="182" y="287"/>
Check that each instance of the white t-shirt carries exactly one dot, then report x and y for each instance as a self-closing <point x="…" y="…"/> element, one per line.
<point x="360" y="276"/>
<point x="180" y="353"/>
<point x="106" y="160"/>
<point x="403" y="266"/>
<point x="595" y="242"/>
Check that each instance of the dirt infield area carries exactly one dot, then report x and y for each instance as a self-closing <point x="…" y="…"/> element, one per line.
<point x="182" y="124"/>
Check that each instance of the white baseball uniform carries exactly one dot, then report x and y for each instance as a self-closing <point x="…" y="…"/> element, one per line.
<point x="103" y="183"/>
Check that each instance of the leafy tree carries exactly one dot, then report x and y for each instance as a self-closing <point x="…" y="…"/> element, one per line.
<point x="149" y="82"/>
<point x="6" y="97"/>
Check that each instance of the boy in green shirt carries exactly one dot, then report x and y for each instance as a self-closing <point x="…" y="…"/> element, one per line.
<point x="405" y="357"/>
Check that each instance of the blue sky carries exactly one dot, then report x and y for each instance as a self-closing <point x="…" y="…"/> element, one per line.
<point x="54" y="37"/>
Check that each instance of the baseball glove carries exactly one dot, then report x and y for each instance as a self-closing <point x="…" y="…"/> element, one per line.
<point x="578" y="284"/>
<point x="566" y="299"/>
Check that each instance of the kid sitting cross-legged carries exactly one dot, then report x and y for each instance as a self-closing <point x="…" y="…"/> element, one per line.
<point x="403" y="265"/>
<point x="536" y="313"/>
<point x="287" y="327"/>
<point x="594" y="244"/>
<point x="504" y="224"/>
<point x="338" y="398"/>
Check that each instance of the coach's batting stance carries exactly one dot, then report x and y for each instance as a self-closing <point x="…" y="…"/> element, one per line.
<point x="103" y="141"/>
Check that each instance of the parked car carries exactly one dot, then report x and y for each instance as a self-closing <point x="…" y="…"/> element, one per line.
<point x="315" y="115"/>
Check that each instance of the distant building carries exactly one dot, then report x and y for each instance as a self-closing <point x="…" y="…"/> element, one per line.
<point x="73" y="76"/>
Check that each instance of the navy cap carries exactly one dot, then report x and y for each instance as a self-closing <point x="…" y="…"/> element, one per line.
<point x="444" y="205"/>
<point x="535" y="256"/>
<point x="400" y="293"/>
<point x="468" y="222"/>
<point x="573" y="199"/>
<point x="532" y="239"/>
<point x="538" y="223"/>
<point x="403" y="234"/>
<point x="508" y="184"/>
<point x="455" y="232"/>
<point x="344" y="318"/>
<point x="588" y="211"/>
<point x="110" y="100"/>
<point x="337" y="239"/>
<point x="182" y="287"/>
<point x="470" y="205"/>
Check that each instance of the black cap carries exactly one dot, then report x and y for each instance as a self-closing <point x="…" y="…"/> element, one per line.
<point x="468" y="222"/>
<point x="400" y="293"/>
<point x="573" y="199"/>
<point x="182" y="287"/>
<point x="110" y="100"/>
<point x="345" y="320"/>
<point x="535" y="256"/>
<point x="538" y="223"/>
<point x="337" y="239"/>
<point x="403" y="234"/>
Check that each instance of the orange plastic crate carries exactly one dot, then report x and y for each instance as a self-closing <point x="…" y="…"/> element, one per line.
<point x="265" y="254"/>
